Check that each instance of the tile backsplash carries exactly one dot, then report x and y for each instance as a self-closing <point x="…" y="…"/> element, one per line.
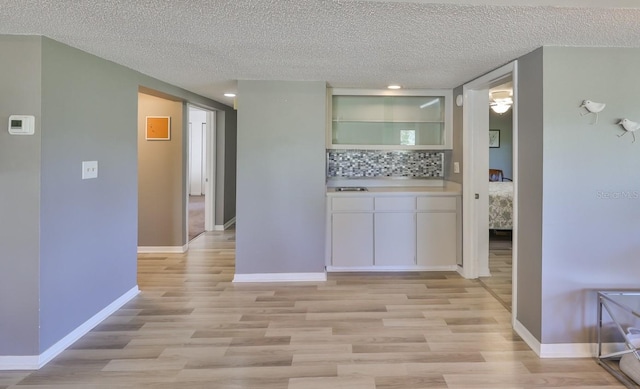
<point x="379" y="163"/>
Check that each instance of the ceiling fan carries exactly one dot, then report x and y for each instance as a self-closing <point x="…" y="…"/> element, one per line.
<point x="501" y="101"/>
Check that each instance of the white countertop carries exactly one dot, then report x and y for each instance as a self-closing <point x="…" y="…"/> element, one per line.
<point x="448" y="188"/>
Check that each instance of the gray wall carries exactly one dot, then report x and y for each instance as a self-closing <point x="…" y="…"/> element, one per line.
<point x="69" y="245"/>
<point x="161" y="216"/>
<point x="529" y="200"/>
<point x="591" y="188"/>
<point x="578" y="188"/>
<point x="281" y="177"/>
<point x="456" y="154"/>
<point x="227" y="167"/>
<point x="88" y="246"/>
<point x="502" y="157"/>
<point x="20" y="193"/>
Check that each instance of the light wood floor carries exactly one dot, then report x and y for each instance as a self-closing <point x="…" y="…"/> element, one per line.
<point x="192" y="328"/>
<point x="501" y="267"/>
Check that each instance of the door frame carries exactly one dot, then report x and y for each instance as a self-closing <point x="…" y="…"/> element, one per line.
<point x="475" y="146"/>
<point x="210" y="167"/>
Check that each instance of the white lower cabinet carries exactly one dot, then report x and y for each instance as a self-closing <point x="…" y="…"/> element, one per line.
<point x="387" y="232"/>
<point x="437" y="239"/>
<point x="395" y="239"/>
<point x="352" y="239"/>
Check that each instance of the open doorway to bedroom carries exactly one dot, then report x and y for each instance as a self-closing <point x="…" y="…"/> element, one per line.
<point x="200" y="189"/>
<point x="476" y="149"/>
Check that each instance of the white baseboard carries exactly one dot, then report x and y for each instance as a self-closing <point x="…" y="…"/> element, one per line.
<point x="528" y="338"/>
<point x="556" y="350"/>
<point x="31" y="362"/>
<point x="567" y="350"/>
<point x="390" y="268"/>
<point x="280" y="277"/>
<point x="35" y="362"/>
<point x="163" y="249"/>
<point x="226" y="225"/>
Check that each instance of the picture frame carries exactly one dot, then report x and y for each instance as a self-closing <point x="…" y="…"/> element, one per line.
<point x="494" y="139"/>
<point x="158" y="128"/>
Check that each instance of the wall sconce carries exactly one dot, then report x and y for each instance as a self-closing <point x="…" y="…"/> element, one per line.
<point x="501" y="101"/>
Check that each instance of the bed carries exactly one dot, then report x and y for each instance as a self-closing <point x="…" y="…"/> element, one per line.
<point x="501" y="205"/>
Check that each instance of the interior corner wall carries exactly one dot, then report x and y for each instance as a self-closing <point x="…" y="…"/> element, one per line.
<point x="161" y="176"/>
<point x="529" y="195"/>
<point x="21" y="65"/>
<point x="281" y="177"/>
<point x="69" y="245"/>
<point x="591" y="188"/>
<point x="88" y="227"/>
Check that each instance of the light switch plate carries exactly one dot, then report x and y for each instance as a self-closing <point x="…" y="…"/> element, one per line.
<point x="89" y="169"/>
<point x="456" y="167"/>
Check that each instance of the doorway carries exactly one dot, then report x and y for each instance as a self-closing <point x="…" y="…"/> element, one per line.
<point x="200" y="171"/>
<point x="475" y="175"/>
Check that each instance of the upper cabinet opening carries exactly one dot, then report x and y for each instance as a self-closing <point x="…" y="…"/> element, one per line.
<point x="382" y="119"/>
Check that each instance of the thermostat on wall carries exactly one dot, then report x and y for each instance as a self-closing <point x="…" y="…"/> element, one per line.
<point x="21" y="124"/>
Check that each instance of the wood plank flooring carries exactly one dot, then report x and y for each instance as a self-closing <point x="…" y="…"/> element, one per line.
<point x="501" y="267"/>
<point x="191" y="327"/>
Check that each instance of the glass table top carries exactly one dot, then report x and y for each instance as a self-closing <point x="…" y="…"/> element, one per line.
<point x="627" y="300"/>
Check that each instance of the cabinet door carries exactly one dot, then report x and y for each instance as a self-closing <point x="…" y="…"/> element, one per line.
<point x="395" y="239"/>
<point x="436" y="239"/>
<point x="352" y="239"/>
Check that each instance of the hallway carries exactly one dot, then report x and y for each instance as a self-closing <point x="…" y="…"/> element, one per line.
<point x="192" y="328"/>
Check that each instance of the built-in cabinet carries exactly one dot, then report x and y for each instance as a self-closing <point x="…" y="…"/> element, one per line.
<point x="382" y="119"/>
<point x="382" y="232"/>
<point x="436" y="218"/>
<point x="352" y="236"/>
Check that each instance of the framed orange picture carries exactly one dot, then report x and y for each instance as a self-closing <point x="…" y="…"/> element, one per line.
<point x="158" y="128"/>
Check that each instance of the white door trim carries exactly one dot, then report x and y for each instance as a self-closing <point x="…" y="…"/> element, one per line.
<point x="475" y="181"/>
<point x="209" y="171"/>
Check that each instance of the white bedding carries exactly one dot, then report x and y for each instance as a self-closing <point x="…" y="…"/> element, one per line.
<point x="501" y="205"/>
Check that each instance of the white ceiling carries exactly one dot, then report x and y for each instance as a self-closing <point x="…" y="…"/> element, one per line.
<point x="206" y="46"/>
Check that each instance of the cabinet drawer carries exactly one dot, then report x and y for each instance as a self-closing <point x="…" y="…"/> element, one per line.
<point x="352" y="204"/>
<point x="395" y="203"/>
<point x="433" y="203"/>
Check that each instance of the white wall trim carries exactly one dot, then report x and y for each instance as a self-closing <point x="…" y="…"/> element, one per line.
<point x="567" y="350"/>
<point x="528" y="338"/>
<point x="280" y="277"/>
<point x="390" y="268"/>
<point x="226" y="225"/>
<point x="163" y="249"/>
<point x="35" y="362"/>
<point x="31" y="362"/>
<point x="560" y="350"/>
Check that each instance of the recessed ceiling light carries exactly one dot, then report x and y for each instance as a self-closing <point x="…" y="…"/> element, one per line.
<point x="230" y="94"/>
<point x="394" y="87"/>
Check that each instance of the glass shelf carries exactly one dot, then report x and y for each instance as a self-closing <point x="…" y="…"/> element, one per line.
<point x="385" y="133"/>
<point x="410" y="122"/>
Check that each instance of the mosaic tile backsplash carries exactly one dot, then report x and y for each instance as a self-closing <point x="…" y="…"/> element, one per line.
<point x="378" y="163"/>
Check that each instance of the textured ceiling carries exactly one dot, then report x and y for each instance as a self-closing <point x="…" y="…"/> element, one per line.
<point x="206" y="46"/>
